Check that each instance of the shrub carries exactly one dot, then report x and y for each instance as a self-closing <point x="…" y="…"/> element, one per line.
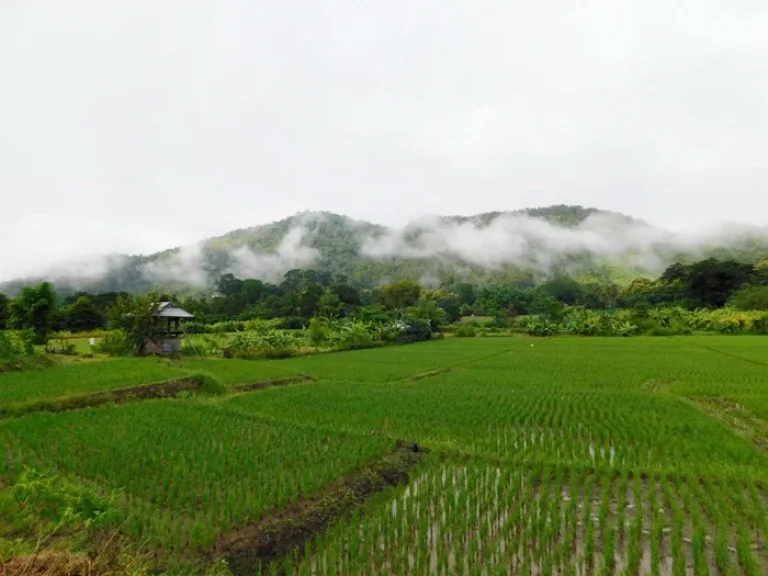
<point x="8" y="348"/>
<point x="352" y="334"/>
<point x="116" y="343"/>
<point x="760" y="325"/>
<point x="541" y="327"/>
<point x="195" y="327"/>
<point x="227" y="326"/>
<point x="414" y="330"/>
<point x="278" y="344"/>
<point x="292" y="323"/>
<point x="499" y="322"/>
<point x="318" y="331"/>
<point x="465" y="331"/>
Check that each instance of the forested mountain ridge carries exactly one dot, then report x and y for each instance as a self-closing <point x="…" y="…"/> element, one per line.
<point x="524" y="245"/>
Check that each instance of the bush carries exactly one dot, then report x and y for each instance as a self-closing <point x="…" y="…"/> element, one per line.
<point x="465" y="331"/>
<point x="751" y="298"/>
<point x="272" y="344"/>
<point x="318" y="331"/>
<point x="760" y="325"/>
<point x="414" y="330"/>
<point x="8" y="348"/>
<point x="116" y="343"/>
<point x="351" y="334"/>
<point x="499" y="322"/>
<point x="227" y="326"/>
<point x="292" y="323"/>
<point x="197" y="328"/>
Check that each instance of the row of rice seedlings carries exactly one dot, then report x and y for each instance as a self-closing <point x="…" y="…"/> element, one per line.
<point x="481" y="519"/>
<point x="531" y="420"/>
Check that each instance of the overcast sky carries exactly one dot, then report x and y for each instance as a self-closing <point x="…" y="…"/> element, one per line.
<point x="136" y="126"/>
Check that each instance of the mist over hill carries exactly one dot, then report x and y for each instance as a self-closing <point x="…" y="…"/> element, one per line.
<point x="491" y="247"/>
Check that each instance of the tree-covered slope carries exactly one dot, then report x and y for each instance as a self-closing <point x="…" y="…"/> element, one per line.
<point x="490" y="247"/>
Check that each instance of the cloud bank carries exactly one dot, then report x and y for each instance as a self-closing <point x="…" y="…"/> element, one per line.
<point x="290" y="254"/>
<point x="194" y="266"/>
<point x="525" y="241"/>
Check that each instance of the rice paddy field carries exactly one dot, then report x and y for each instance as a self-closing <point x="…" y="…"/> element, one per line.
<point x="545" y="456"/>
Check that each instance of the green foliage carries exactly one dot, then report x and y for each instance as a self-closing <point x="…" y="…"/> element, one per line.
<point x="399" y="295"/>
<point x="134" y="317"/>
<point x="34" y="308"/>
<point x="269" y="344"/>
<point x="318" y="331"/>
<point x="541" y="326"/>
<point x="51" y="498"/>
<point x="351" y="334"/>
<point x="116" y="343"/>
<point x="4" y="311"/>
<point x="81" y="316"/>
<point x="8" y="348"/>
<point x="413" y="329"/>
<point x="429" y="310"/>
<point x="751" y="298"/>
<point x="465" y="331"/>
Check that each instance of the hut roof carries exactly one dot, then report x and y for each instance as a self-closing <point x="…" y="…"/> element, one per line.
<point x="170" y="310"/>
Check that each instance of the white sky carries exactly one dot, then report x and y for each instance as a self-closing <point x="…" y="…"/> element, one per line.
<point x="137" y="126"/>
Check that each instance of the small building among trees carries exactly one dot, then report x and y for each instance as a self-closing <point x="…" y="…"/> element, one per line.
<point x="166" y="329"/>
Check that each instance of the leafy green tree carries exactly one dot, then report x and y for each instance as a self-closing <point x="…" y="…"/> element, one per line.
<point x="546" y="305"/>
<point x="82" y="315"/>
<point x="228" y="285"/>
<point x="318" y="331"/>
<point x="330" y="306"/>
<point x="760" y="276"/>
<point x="34" y="308"/>
<point x="399" y="295"/>
<point x="428" y="310"/>
<point x="466" y="293"/>
<point x="4" y="312"/>
<point x="135" y="318"/>
<point x="564" y="289"/>
<point x="348" y="295"/>
<point x="751" y="298"/>
<point x="710" y="282"/>
<point x="505" y="300"/>
<point x="309" y="300"/>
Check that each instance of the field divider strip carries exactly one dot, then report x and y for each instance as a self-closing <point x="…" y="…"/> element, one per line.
<point x="167" y="389"/>
<point x="248" y="387"/>
<point x="447" y="369"/>
<point x="253" y="548"/>
<point x="722" y="352"/>
<point x="158" y="390"/>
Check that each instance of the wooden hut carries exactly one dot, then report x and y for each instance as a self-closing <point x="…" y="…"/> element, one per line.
<point x="166" y="338"/>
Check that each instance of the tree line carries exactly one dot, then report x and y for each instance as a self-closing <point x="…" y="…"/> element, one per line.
<point x="306" y="294"/>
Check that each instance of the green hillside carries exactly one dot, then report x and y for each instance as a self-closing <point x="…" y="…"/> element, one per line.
<point x="337" y="244"/>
